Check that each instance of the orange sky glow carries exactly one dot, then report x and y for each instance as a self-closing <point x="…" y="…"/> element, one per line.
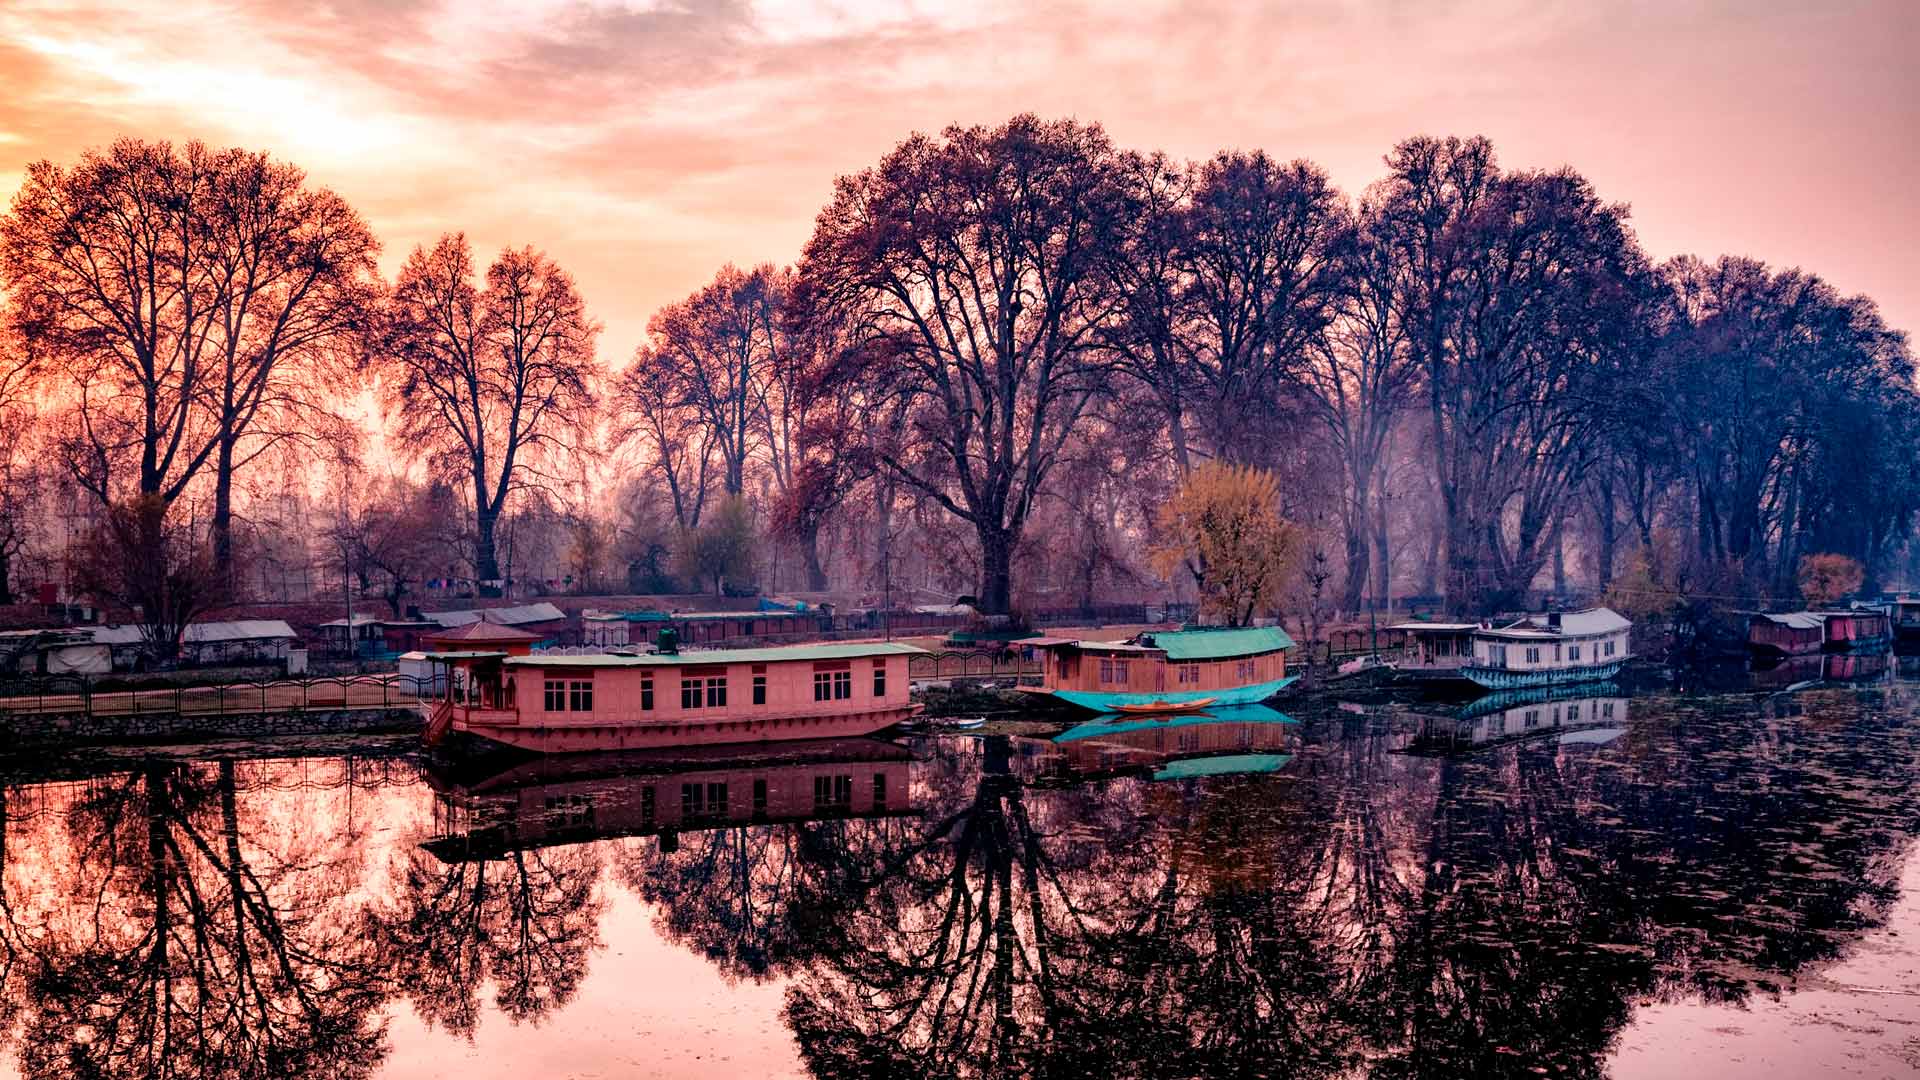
<point x="646" y="143"/>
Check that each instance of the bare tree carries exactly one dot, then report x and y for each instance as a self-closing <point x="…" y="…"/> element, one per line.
<point x="193" y="302"/>
<point x="976" y="267"/>
<point x="493" y="383"/>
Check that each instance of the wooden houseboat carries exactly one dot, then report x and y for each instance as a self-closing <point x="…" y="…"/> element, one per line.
<point x="1550" y="649"/>
<point x="1862" y="629"/>
<point x="1166" y="669"/>
<point x="1434" y="651"/>
<point x="620" y="701"/>
<point x="1906" y="619"/>
<point x="1793" y="633"/>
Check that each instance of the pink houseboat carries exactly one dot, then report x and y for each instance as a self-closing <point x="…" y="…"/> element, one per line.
<point x="619" y="701"/>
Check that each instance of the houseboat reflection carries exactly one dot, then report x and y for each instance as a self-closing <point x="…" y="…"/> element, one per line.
<point x="1586" y="714"/>
<point x="1219" y="741"/>
<point x="585" y="797"/>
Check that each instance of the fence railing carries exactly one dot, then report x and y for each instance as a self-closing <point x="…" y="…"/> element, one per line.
<point x="90" y="697"/>
<point x="972" y="664"/>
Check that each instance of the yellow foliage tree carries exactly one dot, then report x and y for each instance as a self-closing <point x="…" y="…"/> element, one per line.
<point x="1223" y="527"/>
<point x="1824" y="579"/>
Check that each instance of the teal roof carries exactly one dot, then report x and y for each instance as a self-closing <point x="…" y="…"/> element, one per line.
<point x="1222" y="644"/>
<point x="464" y="655"/>
<point x="1120" y="724"/>
<point x="836" y="650"/>
<point x="1227" y="765"/>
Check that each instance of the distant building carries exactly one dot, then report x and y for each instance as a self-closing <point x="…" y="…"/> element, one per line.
<point x="241" y="641"/>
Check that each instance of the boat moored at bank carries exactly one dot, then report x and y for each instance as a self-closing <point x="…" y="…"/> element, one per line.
<point x="1549" y="650"/>
<point x="620" y="701"/>
<point x="1165" y="670"/>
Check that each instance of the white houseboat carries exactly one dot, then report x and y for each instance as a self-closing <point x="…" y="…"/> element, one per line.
<point x="1550" y="649"/>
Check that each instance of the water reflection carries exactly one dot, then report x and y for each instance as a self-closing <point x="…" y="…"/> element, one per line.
<point x="1490" y="892"/>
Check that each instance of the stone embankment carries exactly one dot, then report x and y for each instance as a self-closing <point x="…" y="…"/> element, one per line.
<point x="26" y="731"/>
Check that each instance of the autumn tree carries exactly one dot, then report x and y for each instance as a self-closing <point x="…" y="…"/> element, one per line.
<point x="396" y="539"/>
<point x="1224" y="530"/>
<point x="720" y="550"/>
<point x="717" y="350"/>
<point x="194" y="304"/>
<point x="142" y="559"/>
<point x="975" y="268"/>
<point x="494" y="378"/>
<point x="1824" y="579"/>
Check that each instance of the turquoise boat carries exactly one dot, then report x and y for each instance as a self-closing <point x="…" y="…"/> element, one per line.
<point x="1200" y="667"/>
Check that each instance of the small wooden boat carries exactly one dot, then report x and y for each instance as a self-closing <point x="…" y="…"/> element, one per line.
<point x="1165" y="708"/>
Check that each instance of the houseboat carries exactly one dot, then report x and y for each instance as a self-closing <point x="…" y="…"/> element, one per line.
<point x="1863" y="629"/>
<point x="1433" y="651"/>
<point x="1794" y="633"/>
<point x="1550" y="649"/>
<point x="1906" y="619"/>
<point x="1165" y="670"/>
<point x="621" y="701"/>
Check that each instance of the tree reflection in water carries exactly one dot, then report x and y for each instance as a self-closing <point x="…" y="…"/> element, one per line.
<point x="185" y="949"/>
<point x="525" y="923"/>
<point x="1493" y="912"/>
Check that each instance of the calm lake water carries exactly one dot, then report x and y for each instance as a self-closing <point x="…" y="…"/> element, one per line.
<point x="1661" y="886"/>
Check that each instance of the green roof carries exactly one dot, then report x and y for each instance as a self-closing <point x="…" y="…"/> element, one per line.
<point x="834" y="650"/>
<point x="1115" y="724"/>
<point x="1222" y="644"/>
<point x="463" y="655"/>
<point x="1228" y="765"/>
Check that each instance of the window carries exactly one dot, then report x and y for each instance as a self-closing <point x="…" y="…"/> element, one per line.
<point x="1530" y="717"/>
<point x="569" y="811"/>
<point x="842" y="685"/>
<point x="646" y="693"/>
<point x="1609" y="648"/>
<point x="1573" y="652"/>
<point x="879" y="678"/>
<point x="1113" y="671"/>
<point x="1556" y="653"/>
<point x="1244" y="671"/>
<point x="759" y="689"/>
<point x="822" y="685"/>
<point x="1497" y="655"/>
<point x="580" y="695"/>
<point x="646" y="804"/>
<point x="1533" y="654"/>
<point x="716" y="693"/>
<point x="759" y="798"/>
<point x="702" y="801"/>
<point x="1573" y="713"/>
<point x="556" y="695"/>
<point x="1190" y="674"/>
<point x="832" y="792"/>
<point x="879" y="790"/>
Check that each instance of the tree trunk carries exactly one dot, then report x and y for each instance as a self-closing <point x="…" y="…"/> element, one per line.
<point x="1603" y="559"/>
<point x="996" y="570"/>
<point x="223" y="511"/>
<point x="810" y="553"/>
<point x="1559" y="558"/>
<point x="486" y="557"/>
<point x="1353" y="590"/>
<point x="1382" y="551"/>
<point x="6" y="578"/>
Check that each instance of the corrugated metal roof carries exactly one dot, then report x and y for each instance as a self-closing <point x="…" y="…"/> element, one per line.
<point x="1222" y="644"/>
<point x="505" y="616"/>
<point x="774" y="654"/>
<point x="1433" y="627"/>
<point x="202" y="633"/>
<point x="1595" y="620"/>
<point x="1797" y="620"/>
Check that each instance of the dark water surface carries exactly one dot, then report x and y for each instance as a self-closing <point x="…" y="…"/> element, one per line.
<point x="1649" y="887"/>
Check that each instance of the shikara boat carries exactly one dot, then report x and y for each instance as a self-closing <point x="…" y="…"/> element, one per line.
<point x="1163" y="708"/>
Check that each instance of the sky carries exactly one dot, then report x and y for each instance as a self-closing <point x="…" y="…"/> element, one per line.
<point x="644" y="144"/>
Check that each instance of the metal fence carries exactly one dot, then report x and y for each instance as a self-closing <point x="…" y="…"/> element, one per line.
<point x="981" y="664"/>
<point x="113" y="697"/>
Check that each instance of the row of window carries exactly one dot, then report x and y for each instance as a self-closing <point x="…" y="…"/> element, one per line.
<point x="1115" y="671"/>
<point x="1497" y="654"/>
<point x="708" y="691"/>
<point x="708" y="801"/>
